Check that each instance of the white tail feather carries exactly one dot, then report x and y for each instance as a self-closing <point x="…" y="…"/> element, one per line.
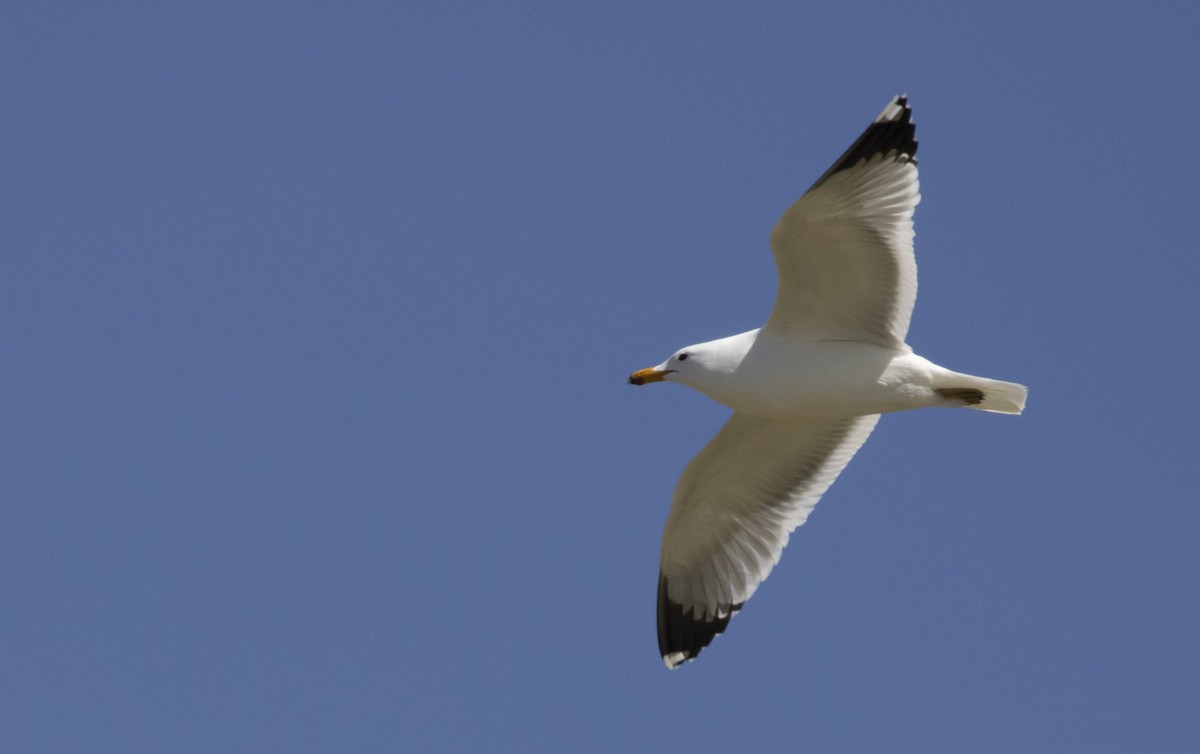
<point x="999" y="396"/>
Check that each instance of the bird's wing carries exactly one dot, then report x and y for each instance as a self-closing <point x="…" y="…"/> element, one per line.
<point x="844" y="250"/>
<point x="732" y="511"/>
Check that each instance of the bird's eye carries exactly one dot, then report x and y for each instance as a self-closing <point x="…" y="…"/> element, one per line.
<point x="683" y="357"/>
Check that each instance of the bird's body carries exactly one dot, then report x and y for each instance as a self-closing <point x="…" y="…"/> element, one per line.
<point x="772" y="377"/>
<point x="807" y="388"/>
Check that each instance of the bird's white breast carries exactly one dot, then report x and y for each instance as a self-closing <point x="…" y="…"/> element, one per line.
<point x="777" y="377"/>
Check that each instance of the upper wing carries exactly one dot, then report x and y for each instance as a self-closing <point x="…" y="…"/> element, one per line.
<point x="731" y="514"/>
<point x="844" y="250"/>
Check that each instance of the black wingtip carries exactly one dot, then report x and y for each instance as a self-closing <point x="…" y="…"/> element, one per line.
<point x="891" y="131"/>
<point x="681" y="635"/>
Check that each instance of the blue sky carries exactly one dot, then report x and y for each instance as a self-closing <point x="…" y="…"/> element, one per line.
<point x="317" y="320"/>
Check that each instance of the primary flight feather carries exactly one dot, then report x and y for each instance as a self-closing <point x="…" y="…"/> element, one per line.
<point x="807" y="387"/>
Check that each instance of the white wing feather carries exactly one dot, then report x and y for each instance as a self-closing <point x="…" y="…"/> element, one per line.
<point x="740" y="498"/>
<point x="844" y="250"/>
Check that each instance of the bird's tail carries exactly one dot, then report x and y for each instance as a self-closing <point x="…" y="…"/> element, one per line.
<point x="984" y="394"/>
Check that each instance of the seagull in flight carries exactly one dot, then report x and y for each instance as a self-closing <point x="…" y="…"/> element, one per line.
<point x="807" y="387"/>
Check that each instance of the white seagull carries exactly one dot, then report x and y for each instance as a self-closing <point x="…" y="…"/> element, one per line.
<point x="807" y="388"/>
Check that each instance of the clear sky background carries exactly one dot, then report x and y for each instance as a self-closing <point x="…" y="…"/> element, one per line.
<point x="316" y="321"/>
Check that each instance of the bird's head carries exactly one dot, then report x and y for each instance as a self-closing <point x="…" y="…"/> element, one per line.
<point x="682" y="365"/>
<point x="706" y="367"/>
